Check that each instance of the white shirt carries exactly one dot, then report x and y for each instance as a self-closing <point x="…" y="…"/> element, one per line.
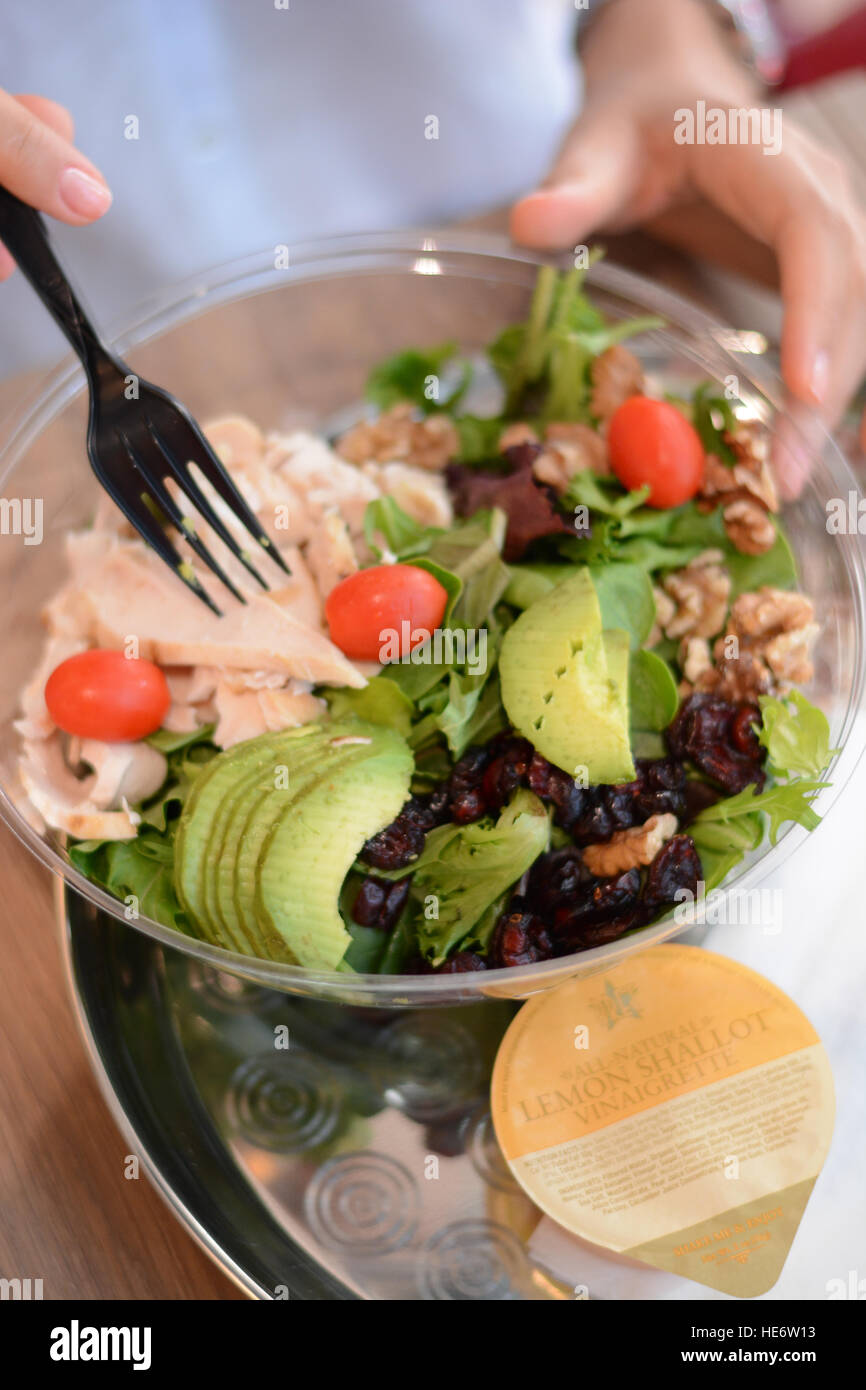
<point x="258" y="126"/>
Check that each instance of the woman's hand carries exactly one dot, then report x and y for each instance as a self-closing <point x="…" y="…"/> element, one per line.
<point x="39" y="163"/>
<point x="620" y="165"/>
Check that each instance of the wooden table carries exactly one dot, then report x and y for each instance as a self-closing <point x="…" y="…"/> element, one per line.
<point x="68" y="1215"/>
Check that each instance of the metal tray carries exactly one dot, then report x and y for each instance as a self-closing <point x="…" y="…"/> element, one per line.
<point x="315" y="1151"/>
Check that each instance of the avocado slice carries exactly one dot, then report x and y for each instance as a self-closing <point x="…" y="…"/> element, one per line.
<point x="228" y="833"/>
<point x="309" y="849"/>
<point x="239" y="803"/>
<point x="192" y="845"/>
<point x="564" y="682"/>
<point x="257" y="813"/>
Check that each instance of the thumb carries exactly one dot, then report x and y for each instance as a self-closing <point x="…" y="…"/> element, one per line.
<point x="592" y="183"/>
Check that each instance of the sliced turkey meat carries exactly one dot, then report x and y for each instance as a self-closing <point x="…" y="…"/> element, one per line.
<point x="135" y="594"/>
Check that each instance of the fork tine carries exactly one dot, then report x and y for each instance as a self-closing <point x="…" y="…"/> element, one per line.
<point x="184" y="478"/>
<point x="194" y="448"/>
<point x="160" y="494"/>
<point x="145" y="523"/>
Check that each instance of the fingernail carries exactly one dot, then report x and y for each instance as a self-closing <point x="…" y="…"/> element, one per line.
<point x="819" y="377"/>
<point x="84" y="195"/>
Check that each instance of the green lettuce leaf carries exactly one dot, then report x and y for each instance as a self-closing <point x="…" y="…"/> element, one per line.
<point x="464" y="869"/>
<point x="796" y="735"/>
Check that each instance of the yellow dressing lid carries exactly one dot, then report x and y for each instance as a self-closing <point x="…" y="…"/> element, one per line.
<point x="676" y="1109"/>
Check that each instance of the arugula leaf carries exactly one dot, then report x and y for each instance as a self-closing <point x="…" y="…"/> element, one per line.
<point x="722" y="844"/>
<point x="782" y="802"/>
<point x="652" y="692"/>
<point x="657" y="539"/>
<point x="463" y="869"/>
<point x="552" y="351"/>
<point x="730" y="828"/>
<point x="365" y="950"/>
<point x="796" y="735"/>
<point x="406" y="376"/>
<point x="401" y="944"/>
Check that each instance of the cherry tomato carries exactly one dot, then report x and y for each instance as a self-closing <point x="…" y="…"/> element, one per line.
<point x="383" y="612"/>
<point x="106" y="695"/>
<point x="651" y="442"/>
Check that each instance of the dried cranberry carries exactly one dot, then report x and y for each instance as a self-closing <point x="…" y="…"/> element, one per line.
<point x="520" y="938"/>
<point x="662" y="787"/>
<point x="468" y="807"/>
<point x="600" y="933"/>
<point x="394" y="847"/>
<point x="425" y="812"/>
<point x="556" y="879"/>
<point x="461" y="964"/>
<point x="465" y="794"/>
<point x="677" y="866"/>
<point x="604" y="899"/>
<point x="508" y="770"/>
<point x="379" y="903"/>
<point x="743" y="735"/>
<point x="714" y="734"/>
<point x="595" y="824"/>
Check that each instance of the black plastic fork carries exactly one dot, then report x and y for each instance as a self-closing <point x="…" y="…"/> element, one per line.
<point x="138" y="436"/>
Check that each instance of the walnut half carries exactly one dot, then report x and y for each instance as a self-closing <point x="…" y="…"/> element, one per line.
<point x="766" y="646"/>
<point x="697" y="598"/>
<point x="629" y="849"/>
<point x="397" y="437"/>
<point x="748" y="527"/>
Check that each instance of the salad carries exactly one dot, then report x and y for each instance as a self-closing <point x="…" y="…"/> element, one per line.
<point x="535" y="678"/>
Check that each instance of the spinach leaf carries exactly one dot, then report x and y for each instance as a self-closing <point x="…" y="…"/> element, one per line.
<point x="625" y="595"/>
<point x="652" y="692"/>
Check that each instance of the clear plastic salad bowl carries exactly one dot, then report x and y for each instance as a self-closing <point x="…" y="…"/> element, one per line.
<point x="292" y="347"/>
